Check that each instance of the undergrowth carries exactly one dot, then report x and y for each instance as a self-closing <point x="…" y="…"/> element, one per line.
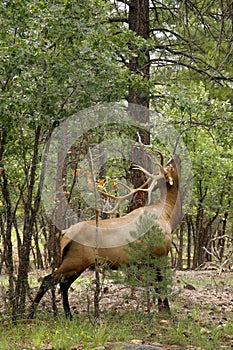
<point x="192" y="324"/>
<point x="185" y="331"/>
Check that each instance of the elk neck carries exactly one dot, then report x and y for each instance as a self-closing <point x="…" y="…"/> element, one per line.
<point x="169" y="205"/>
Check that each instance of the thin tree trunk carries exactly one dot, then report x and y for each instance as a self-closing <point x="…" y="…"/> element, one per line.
<point x="38" y="256"/>
<point x="7" y="241"/>
<point x="223" y="234"/>
<point x="9" y="215"/>
<point x="181" y="247"/>
<point x="189" y="243"/>
<point x="30" y="212"/>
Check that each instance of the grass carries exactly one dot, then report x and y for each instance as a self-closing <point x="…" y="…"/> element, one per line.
<point x="196" y="326"/>
<point x="177" y="329"/>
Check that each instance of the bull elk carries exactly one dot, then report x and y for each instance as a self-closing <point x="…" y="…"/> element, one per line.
<point x="78" y="242"/>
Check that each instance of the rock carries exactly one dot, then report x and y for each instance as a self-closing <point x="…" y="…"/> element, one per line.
<point x="130" y="346"/>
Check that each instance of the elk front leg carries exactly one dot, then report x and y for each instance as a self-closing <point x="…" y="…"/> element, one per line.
<point x="163" y="305"/>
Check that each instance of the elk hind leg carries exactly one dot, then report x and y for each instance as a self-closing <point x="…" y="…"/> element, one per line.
<point x="48" y="282"/>
<point x="64" y="287"/>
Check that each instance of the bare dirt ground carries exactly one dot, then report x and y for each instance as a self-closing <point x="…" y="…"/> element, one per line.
<point x="202" y="287"/>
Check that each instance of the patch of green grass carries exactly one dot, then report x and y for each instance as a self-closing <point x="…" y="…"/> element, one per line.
<point x="177" y="329"/>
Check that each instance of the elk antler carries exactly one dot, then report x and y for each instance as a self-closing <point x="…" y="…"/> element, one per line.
<point x="152" y="178"/>
<point x="161" y="156"/>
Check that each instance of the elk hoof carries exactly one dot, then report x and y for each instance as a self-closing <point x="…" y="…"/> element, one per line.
<point x="163" y="305"/>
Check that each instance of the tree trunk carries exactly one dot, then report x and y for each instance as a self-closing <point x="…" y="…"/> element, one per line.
<point x="181" y="247"/>
<point x="30" y="212"/>
<point x="9" y="218"/>
<point x="7" y="241"/>
<point x="189" y="238"/>
<point x="222" y="241"/>
<point x="138" y="20"/>
<point x="139" y="64"/>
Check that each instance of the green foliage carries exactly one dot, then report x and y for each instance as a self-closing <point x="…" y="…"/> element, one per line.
<point x="147" y="269"/>
<point x="56" y="59"/>
<point x="205" y="125"/>
<point x="192" y="45"/>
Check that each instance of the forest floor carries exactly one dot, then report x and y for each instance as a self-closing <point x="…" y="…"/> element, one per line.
<point x="202" y="296"/>
<point x="192" y="288"/>
<point x="201" y="311"/>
